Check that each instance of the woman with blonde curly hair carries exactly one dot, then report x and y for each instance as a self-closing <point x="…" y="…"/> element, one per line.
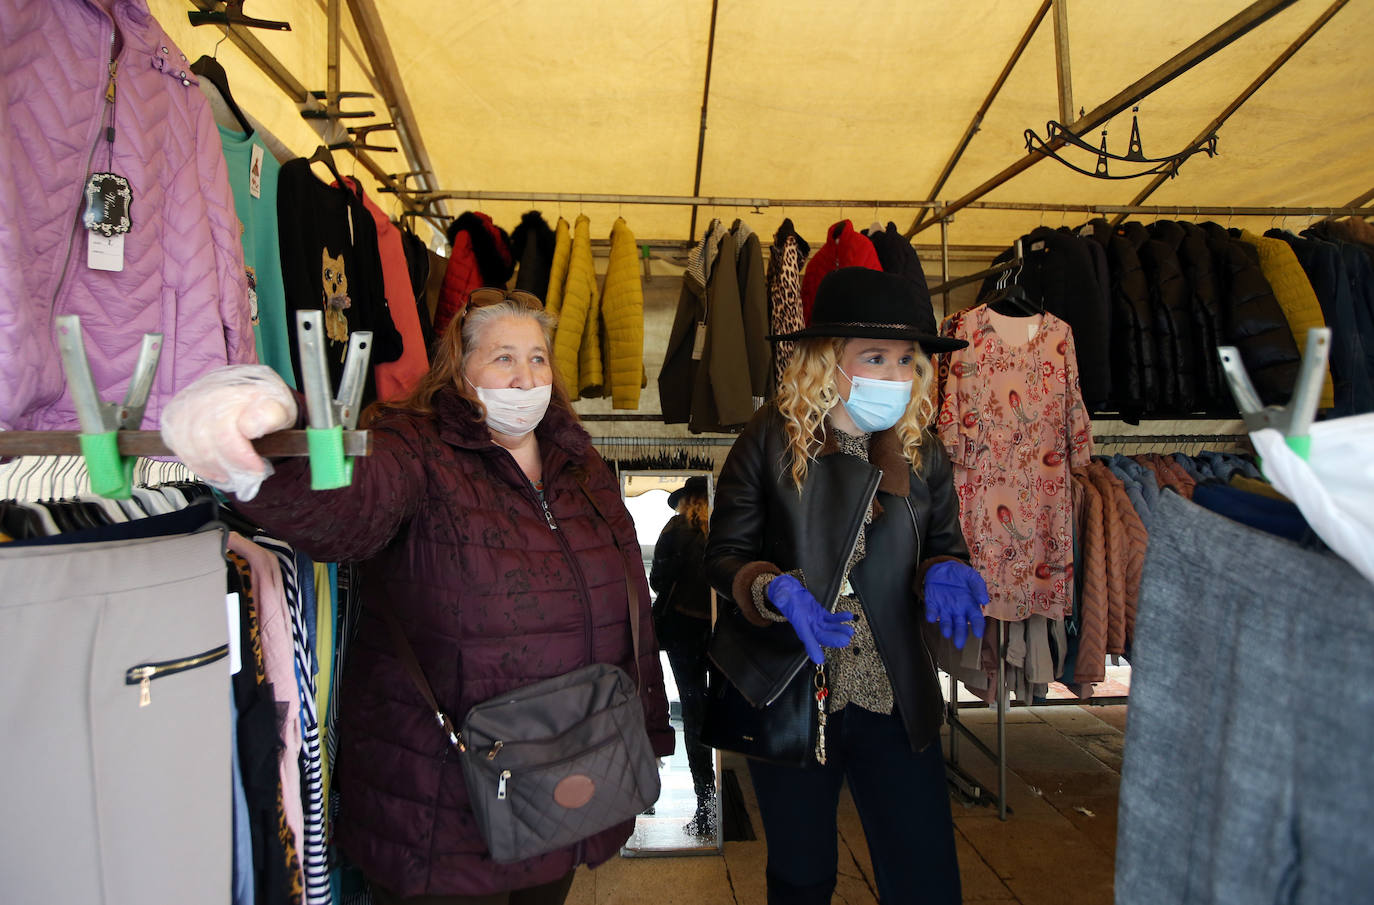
<point x="836" y="517"/>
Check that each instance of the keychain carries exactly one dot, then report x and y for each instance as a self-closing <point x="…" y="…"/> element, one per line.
<point x="821" y="694"/>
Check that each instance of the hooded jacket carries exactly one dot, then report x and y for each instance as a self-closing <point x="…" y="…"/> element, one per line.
<point x="479" y="256"/>
<point x="182" y="273"/>
<point x="762" y="525"/>
<point x="1255" y="324"/>
<point x="456" y="544"/>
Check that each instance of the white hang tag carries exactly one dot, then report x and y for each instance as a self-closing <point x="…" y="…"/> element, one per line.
<point x="699" y="345"/>
<point x="231" y="609"/>
<point x="255" y="173"/>
<point x="104" y="252"/>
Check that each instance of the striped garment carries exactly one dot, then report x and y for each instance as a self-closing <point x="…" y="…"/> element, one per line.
<point x="315" y="858"/>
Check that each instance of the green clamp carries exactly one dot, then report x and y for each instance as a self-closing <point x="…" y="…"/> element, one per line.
<point x="330" y="469"/>
<point x="112" y="475"/>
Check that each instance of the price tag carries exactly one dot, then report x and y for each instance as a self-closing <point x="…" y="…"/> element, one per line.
<point x="255" y="173"/>
<point x="104" y="253"/>
<point x="109" y="198"/>
<point x="699" y="345"/>
<point x="231" y="609"/>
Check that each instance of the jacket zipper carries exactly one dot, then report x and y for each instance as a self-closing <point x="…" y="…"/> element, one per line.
<point x="916" y="527"/>
<point x="109" y="98"/>
<point x="874" y="481"/>
<point x="143" y="674"/>
<point x="543" y="504"/>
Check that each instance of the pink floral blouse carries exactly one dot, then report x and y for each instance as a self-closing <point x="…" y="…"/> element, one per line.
<point x="1013" y="422"/>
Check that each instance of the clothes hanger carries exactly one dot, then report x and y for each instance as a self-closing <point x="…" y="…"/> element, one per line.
<point x="1011" y="298"/>
<point x="210" y="68"/>
<point x="325" y="155"/>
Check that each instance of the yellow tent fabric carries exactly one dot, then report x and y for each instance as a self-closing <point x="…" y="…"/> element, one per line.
<point x="1296" y="297"/>
<point x="558" y="271"/>
<point x="622" y="312"/>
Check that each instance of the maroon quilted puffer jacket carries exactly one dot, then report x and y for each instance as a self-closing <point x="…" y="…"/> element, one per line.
<point x="451" y="536"/>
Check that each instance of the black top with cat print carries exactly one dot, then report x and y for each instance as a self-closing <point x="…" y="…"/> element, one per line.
<point x="330" y="261"/>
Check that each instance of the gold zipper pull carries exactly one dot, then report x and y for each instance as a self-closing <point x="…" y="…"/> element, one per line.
<point x="495" y="749"/>
<point x="110" y="89"/>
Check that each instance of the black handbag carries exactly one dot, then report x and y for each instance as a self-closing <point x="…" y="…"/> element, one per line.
<point x="552" y="763"/>
<point x="761" y="697"/>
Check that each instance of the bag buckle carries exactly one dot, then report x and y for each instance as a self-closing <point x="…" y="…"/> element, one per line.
<point x="455" y="738"/>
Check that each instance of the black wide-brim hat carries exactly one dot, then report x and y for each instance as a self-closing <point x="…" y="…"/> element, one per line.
<point x="696" y="486"/>
<point x="860" y="301"/>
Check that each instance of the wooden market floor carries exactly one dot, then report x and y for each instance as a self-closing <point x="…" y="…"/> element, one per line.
<point x="1057" y="847"/>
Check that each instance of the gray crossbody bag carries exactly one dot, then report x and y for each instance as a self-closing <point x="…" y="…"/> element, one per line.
<point x="552" y="763"/>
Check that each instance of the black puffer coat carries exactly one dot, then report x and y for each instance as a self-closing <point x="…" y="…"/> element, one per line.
<point x="1208" y="323"/>
<point x="1135" y="379"/>
<point x="1170" y="306"/>
<point x="1254" y="321"/>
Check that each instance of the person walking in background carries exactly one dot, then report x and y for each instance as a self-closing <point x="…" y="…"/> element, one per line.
<point x="682" y="621"/>
<point x="839" y="484"/>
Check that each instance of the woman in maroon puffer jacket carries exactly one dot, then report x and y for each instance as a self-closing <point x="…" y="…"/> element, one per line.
<point x="469" y="523"/>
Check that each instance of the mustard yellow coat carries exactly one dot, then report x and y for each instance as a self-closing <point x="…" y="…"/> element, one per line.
<point x="574" y="306"/>
<point x="622" y="314"/>
<point x="558" y="269"/>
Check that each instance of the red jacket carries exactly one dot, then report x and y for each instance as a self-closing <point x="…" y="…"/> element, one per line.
<point x="480" y="257"/>
<point x="844" y="247"/>
<point x="452" y="538"/>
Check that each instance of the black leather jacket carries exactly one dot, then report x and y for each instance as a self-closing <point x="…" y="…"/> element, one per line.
<point x="761" y="524"/>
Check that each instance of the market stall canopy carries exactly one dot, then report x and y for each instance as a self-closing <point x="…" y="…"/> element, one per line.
<point x="862" y="101"/>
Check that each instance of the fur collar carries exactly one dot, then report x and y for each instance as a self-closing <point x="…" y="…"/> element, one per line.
<point x="490" y="246"/>
<point x="885" y="453"/>
<point x="460" y="426"/>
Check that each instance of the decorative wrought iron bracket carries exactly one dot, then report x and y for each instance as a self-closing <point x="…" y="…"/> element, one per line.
<point x="1134" y="154"/>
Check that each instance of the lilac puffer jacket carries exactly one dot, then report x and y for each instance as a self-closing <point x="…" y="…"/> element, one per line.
<point x="183" y="270"/>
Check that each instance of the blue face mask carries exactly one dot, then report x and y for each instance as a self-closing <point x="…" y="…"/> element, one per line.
<point x="876" y="405"/>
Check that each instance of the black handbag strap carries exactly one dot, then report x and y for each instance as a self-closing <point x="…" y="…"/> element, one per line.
<point x="406" y="652"/>
<point x="631" y="589"/>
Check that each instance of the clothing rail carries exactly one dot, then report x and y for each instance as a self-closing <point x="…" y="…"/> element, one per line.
<point x="149" y="443"/>
<point x="425" y="198"/>
<point x="662" y="441"/>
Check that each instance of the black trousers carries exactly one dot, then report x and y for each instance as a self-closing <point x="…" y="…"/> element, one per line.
<point x="685" y="639"/>
<point x="903" y="802"/>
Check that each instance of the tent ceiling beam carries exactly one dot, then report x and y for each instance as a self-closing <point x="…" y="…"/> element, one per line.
<point x="1061" y="60"/>
<point x="701" y="133"/>
<point x="292" y="87"/>
<point x="977" y="121"/>
<point x="335" y="30"/>
<point x="1221" y="36"/>
<point x="377" y="46"/>
<point x="1231" y="108"/>
<point x="1363" y="199"/>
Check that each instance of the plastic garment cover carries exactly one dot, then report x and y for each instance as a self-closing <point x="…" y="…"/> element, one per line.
<point x="1334" y="486"/>
<point x="210" y="424"/>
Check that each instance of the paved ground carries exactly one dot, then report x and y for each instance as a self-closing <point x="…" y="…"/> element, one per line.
<point x="1056" y="848"/>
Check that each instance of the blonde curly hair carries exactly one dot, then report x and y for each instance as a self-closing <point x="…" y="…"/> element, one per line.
<point x="808" y="391"/>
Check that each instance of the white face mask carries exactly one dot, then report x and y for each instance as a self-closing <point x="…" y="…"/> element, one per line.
<point x="513" y="411"/>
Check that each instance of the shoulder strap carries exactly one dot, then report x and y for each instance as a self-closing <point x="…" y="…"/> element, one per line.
<point x="631" y="589"/>
<point x="417" y="675"/>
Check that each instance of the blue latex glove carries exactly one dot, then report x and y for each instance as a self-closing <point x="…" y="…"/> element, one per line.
<point x="955" y="597"/>
<point x="814" y="625"/>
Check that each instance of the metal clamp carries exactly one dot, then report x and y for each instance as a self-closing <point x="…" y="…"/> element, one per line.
<point x="111" y="474"/>
<point x="329" y="417"/>
<point x="1294" y="420"/>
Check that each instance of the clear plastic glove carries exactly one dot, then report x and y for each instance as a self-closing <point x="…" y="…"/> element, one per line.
<point x="814" y="625"/>
<point x="955" y="597"/>
<point x="210" y="425"/>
